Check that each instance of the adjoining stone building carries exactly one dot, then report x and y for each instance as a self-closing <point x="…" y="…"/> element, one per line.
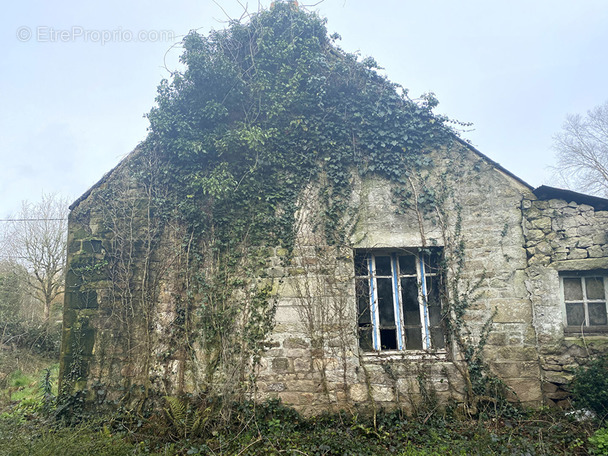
<point x="368" y="325"/>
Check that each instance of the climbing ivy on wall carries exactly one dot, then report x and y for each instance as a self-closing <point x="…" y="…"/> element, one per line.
<point x="264" y="108"/>
<point x="262" y="111"/>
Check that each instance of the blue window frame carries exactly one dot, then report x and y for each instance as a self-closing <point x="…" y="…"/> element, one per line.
<point x="399" y="299"/>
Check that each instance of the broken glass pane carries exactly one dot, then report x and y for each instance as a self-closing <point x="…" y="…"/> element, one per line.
<point x="573" y="291"/>
<point x="597" y="313"/>
<point x="362" y="290"/>
<point x="433" y="301"/>
<point x="409" y="301"/>
<point x="361" y="268"/>
<point x="388" y="339"/>
<point x="383" y="265"/>
<point x="407" y="265"/>
<point x="413" y="338"/>
<point x="385" y="302"/>
<point x="575" y="313"/>
<point x="595" y="287"/>
<point x="432" y="262"/>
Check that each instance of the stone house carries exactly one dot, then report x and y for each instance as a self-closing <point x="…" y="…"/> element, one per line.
<point x="296" y="227"/>
<point x="516" y="275"/>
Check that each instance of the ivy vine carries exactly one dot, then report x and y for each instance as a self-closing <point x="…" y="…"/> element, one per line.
<point x="267" y="107"/>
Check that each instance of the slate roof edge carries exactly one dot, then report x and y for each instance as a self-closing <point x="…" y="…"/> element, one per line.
<point x="493" y="163"/>
<point x="546" y="192"/>
<point x="105" y="178"/>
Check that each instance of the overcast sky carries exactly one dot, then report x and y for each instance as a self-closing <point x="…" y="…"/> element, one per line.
<point x="77" y="77"/>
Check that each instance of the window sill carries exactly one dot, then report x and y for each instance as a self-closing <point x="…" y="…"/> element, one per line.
<point x="406" y="355"/>
<point x="587" y="331"/>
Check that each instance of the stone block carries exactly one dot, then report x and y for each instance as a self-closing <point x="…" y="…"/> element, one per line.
<point x="359" y="392"/>
<point x="287" y="314"/>
<point x="542" y="223"/>
<point x="543" y="248"/>
<point x="308" y="386"/>
<point x="558" y="378"/>
<point x="276" y="387"/>
<point x="383" y="393"/>
<point x="513" y="311"/>
<point x="549" y="387"/>
<point x="280" y="364"/>
<point x="535" y="235"/>
<point x="557" y="204"/>
<point x="296" y="353"/>
<point x="577" y="254"/>
<point x="497" y="338"/>
<point x="295" y="342"/>
<point x="600" y="237"/>
<point x="595" y="251"/>
<point x="516" y="370"/>
<point x="527" y="390"/>
<point x="503" y="354"/>
<point x="290" y="398"/>
<point x="302" y="365"/>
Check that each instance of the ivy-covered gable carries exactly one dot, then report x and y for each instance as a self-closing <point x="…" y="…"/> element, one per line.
<point x="265" y="107"/>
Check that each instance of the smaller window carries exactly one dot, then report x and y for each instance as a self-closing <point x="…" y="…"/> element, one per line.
<point x="584" y="298"/>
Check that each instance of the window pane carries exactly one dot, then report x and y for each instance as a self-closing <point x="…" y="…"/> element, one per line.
<point x="437" y="338"/>
<point x="361" y="268"/>
<point x="407" y="265"/>
<point x="595" y="287"/>
<point x="597" y="313"/>
<point x="383" y="265"/>
<point x="413" y="338"/>
<point x="388" y="339"/>
<point x="409" y="301"/>
<point x="433" y="301"/>
<point x="385" y="302"/>
<point x="575" y="314"/>
<point x="573" y="290"/>
<point x="432" y="261"/>
<point x="362" y="290"/>
<point x="365" y="338"/>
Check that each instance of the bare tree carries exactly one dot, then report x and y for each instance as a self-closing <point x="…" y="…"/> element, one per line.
<point x="36" y="239"/>
<point x="582" y="151"/>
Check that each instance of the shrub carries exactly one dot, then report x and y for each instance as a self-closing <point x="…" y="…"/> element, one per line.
<point x="590" y="387"/>
<point x="599" y="442"/>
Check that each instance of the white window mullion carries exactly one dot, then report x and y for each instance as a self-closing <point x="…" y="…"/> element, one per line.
<point x="396" y="300"/>
<point x="422" y="300"/>
<point x="373" y="297"/>
<point x="585" y="301"/>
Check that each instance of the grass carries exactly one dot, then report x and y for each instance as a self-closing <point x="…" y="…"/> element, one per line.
<point x="272" y="429"/>
<point x="29" y="426"/>
<point x="25" y="386"/>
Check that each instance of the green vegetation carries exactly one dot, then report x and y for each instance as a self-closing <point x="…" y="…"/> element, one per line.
<point x="263" y="111"/>
<point x="271" y="429"/>
<point x="590" y="387"/>
<point x="38" y="425"/>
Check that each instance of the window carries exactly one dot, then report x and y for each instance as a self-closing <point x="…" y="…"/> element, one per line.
<point x="584" y="297"/>
<point x="398" y="298"/>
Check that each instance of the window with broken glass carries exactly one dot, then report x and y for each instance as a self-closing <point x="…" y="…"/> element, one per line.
<point x="584" y="298"/>
<point x="399" y="299"/>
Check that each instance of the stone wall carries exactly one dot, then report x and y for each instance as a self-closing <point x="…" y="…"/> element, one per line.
<point x="337" y="373"/>
<point x="561" y="235"/>
<point x="515" y="245"/>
